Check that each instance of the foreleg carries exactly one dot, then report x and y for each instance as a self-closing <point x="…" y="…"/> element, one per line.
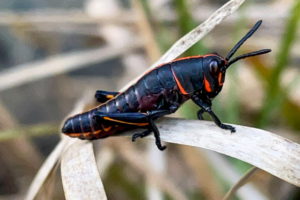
<point x="206" y="106"/>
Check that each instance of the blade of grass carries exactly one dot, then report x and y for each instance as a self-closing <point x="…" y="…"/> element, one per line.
<point x="272" y="153"/>
<point x="240" y="183"/>
<point x="200" y="31"/>
<point x="230" y="175"/>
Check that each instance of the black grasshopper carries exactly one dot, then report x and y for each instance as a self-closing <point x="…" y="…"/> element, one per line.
<point x="160" y="92"/>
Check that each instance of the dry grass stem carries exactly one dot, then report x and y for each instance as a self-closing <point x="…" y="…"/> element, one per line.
<point x="240" y="183"/>
<point x="48" y="188"/>
<point x="45" y="170"/>
<point x="55" y="17"/>
<point x="146" y="31"/>
<point x="53" y="159"/>
<point x="60" y="64"/>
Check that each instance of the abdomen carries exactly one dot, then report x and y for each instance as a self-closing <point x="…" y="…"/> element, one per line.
<point x="84" y="126"/>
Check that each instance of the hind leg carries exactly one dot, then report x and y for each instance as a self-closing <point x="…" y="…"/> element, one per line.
<point x="138" y="120"/>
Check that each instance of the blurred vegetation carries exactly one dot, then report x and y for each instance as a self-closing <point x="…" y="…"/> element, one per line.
<point x="276" y="96"/>
<point x="37" y="108"/>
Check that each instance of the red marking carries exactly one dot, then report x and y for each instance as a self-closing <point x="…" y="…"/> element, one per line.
<point x="189" y="57"/>
<point x="220" y="76"/>
<point x="207" y="85"/>
<point x="182" y="58"/>
<point x="85" y="134"/>
<point x="124" y="122"/>
<point x="181" y="89"/>
<point x="178" y="59"/>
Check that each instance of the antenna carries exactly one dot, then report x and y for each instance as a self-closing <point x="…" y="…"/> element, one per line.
<point x="254" y="53"/>
<point x="241" y="42"/>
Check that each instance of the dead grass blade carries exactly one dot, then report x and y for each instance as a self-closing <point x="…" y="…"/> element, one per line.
<point x="265" y="150"/>
<point x="240" y="183"/>
<point x="48" y="188"/>
<point x="146" y="31"/>
<point x="199" y="32"/>
<point x="80" y="175"/>
<point x="53" y="159"/>
<point x="195" y="35"/>
<point x="229" y="174"/>
<point x="58" y="17"/>
<point x="45" y="170"/>
<point x="59" y="64"/>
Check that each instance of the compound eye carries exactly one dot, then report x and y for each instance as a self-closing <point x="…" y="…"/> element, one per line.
<point x="213" y="66"/>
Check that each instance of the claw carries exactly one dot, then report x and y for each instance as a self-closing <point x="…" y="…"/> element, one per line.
<point x="140" y="135"/>
<point x="135" y="136"/>
<point x="159" y="146"/>
<point x="162" y="148"/>
<point x="228" y="127"/>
